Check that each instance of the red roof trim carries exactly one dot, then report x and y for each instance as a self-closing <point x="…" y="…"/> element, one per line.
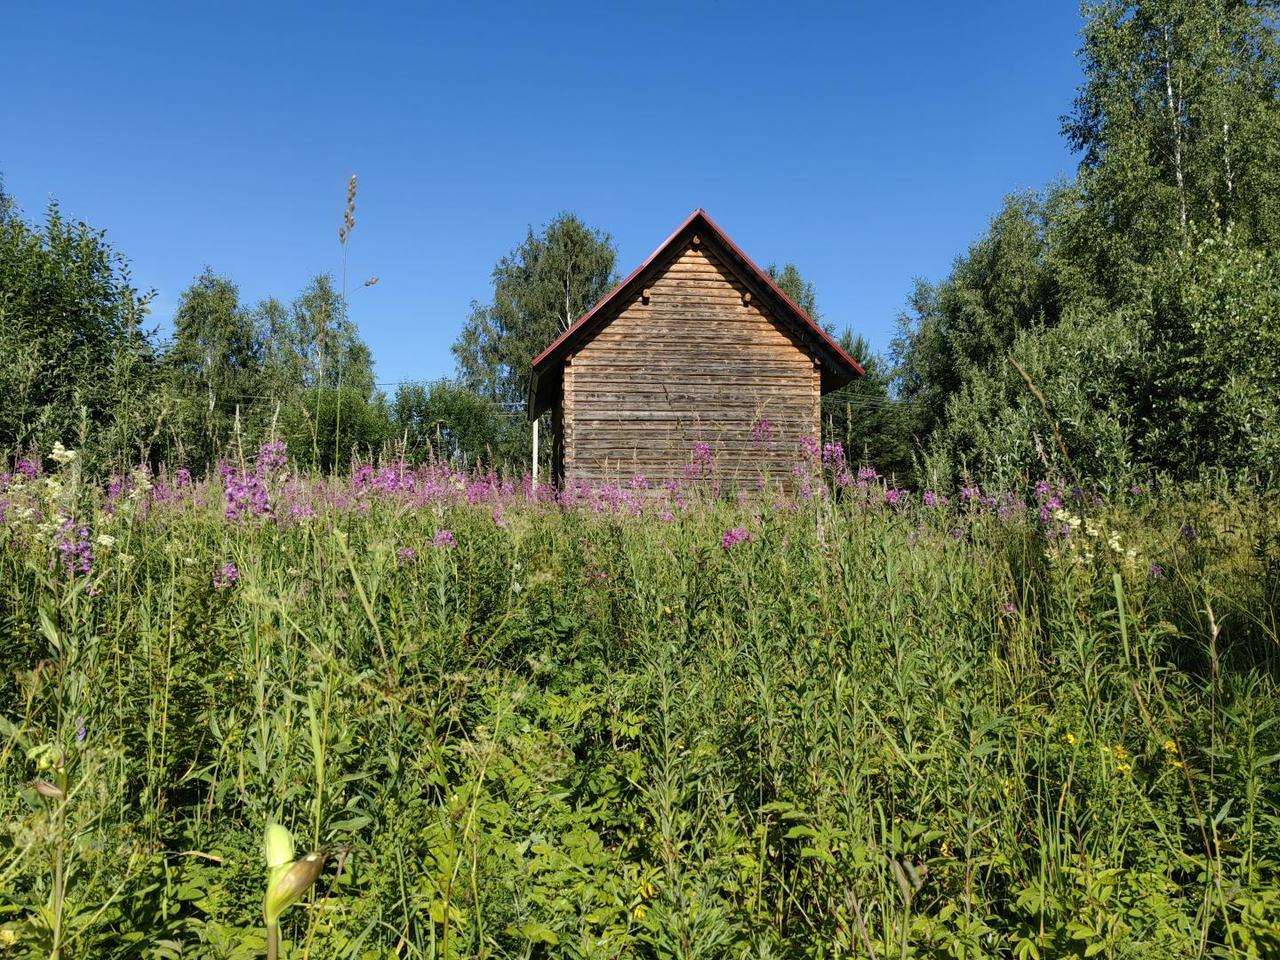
<point x="765" y="278"/>
<point x="824" y="339"/>
<point x="608" y="297"/>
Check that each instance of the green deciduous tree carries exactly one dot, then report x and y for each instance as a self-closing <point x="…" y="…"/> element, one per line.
<point x="954" y="331"/>
<point x="76" y="365"/>
<point x="1210" y="388"/>
<point x="796" y="287"/>
<point x="216" y="361"/>
<point x="319" y="374"/>
<point x="871" y="424"/>
<point x="244" y="375"/>
<point x="1126" y="321"/>
<point x="449" y="421"/>
<point x="1178" y="122"/>
<point x="539" y="290"/>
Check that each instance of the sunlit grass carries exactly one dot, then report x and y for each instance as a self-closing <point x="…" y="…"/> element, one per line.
<point x="826" y="727"/>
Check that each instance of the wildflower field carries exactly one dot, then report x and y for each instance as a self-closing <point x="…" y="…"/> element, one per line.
<point x="842" y="720"/>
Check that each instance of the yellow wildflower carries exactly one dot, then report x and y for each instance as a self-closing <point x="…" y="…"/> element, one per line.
<point x="1120" y="752"/>
<point x="640" y="911"/>
<point x="1170" y="747"/>
<point x="1070" y="738"/>
<point x="1123" y="767"/>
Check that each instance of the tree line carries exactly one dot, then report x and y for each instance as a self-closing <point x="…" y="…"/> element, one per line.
<point x="1123" y="322"/>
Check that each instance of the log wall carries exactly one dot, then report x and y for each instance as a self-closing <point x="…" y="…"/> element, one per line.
<point x="698" y="362"/>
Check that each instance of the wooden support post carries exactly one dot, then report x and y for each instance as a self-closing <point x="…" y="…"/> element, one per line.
<point x="535" y="450"/>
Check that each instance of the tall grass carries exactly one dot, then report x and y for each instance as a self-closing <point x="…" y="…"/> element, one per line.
<point x="865" y="731"/>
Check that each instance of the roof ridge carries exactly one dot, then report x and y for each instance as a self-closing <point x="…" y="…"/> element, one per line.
<point x="824" y="338"/>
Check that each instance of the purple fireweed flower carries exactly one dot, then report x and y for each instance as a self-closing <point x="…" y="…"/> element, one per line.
<point x="27" y="468"/>
<point x="246" y="496"/>
<point x="302" y="511"/>
<point x="1157" y="572"/>
<point x="226" y="576"/>
<point x="957" y="534"/>
<point x="406" y="555"/>
<point x="833" y="454"/>
<point x="272" y="458"/>
<point x="1049" y="502"/>
<point x="702" y="453"/>
<point x="444" y="539"/>
<point x="81" y="730"/>
<point x="810" y="448"/>
<point x="75" y="550"/>
<point x="181" y="478"/>
<point x="895" y="497"/>
<point x="1137" y="490"/>
<point x="761" y="431"/>
<point x="639" y="483"/>
<point x="734" y="537"/>
<point x="1009" y="609"/>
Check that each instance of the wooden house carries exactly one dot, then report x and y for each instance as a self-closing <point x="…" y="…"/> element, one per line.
<point x="696" y="355"/>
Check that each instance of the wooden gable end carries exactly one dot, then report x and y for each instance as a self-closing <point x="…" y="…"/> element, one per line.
<point x="690" y="358"/>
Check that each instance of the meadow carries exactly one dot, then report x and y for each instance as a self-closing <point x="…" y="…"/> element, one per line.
<point x="840" y="721"/>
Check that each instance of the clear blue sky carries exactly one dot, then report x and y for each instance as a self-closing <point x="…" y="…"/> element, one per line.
<point x="869" y="144"/>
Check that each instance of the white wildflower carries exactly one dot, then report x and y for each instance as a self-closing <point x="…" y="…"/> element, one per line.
<point x="61" y="455"/>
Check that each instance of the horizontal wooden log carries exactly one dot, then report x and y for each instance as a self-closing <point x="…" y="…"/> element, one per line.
<point x="700" y="362"/>
<point x="725" y="421"/>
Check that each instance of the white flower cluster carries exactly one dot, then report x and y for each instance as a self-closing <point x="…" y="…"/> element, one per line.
<point x="1082" y="535"/>
<point x="62" y="456"/>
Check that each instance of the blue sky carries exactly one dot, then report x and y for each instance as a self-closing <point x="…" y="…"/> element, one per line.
<point x="869" y="144"/>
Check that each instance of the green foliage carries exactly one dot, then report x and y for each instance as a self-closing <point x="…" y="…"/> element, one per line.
<point x="957" y="330"/>
<point x="863" y="415"/>
<point x="1178" y="124"/>
<point x="1080" y="424"/>
<point x="796" y="287"/>
<point x="242" y="375"/>
<point x="313" y="343"/>
<point x="539" y="290"/>
<point x="866" y="417"/>
<point x="216" y="360"/>
<point x="331" y="427"/>
<point x="581" y="734"/>
<point x="1211" y="396"/>
<point x="1160" y="257"/>
<point x="76" y="365"/>
<point x="445" y="420"/>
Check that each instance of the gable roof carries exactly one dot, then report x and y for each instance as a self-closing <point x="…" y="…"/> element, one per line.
<point x="837" y="367"/>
